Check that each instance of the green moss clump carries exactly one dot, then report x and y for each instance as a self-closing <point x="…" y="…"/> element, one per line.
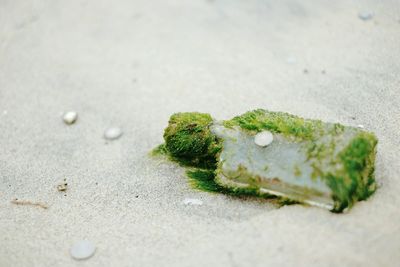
<point x="356" y="180"/>
<point x="204" y="179"/>
<point x="277" y="122"/>
<point x="188" y="139"/>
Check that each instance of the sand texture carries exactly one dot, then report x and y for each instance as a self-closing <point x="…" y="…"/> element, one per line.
<point x="131" y="64"/>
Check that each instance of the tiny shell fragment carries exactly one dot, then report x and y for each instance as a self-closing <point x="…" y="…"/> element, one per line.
<point x="82" y="250"/>
<point x="192" y="201"/>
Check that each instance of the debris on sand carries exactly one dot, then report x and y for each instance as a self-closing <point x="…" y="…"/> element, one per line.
<point x="16" y="201"/>
<point x="240" y="157"/>
<point x="62" y="186"/>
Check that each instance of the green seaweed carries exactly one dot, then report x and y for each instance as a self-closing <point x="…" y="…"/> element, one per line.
<point x="204" y="179"/>
<point x="277" y="122"/>
<point x="355" y="181"/>
<point x="160" y="150"/>
<point x="188" y="139"/>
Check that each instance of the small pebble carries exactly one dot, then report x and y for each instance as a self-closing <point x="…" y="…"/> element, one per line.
<point x="291" y="60"/>
<point x="263" y="138"/>
<point x="70" y="117"/>
<point x="360" y="126"/>
<point x="112" y="133"/>
<point x="192" y="201"/>
<point x="305" y="71"/>
<point x="366" y="15"/>
<point x="82" y="250"/>
<point x="323" y="71"/>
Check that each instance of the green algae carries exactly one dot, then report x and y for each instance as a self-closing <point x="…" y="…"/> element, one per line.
<point x="188" y="139"/>
<point x="160" y="150"/>
<point x="355" y="181"/>
<point x="277" y="122"/>
<point x="190" y="142"/>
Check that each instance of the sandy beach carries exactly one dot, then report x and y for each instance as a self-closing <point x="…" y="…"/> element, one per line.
<point x="131" y="64"/>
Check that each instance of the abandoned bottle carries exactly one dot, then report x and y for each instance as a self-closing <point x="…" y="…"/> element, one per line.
<point x="322" y="164"/>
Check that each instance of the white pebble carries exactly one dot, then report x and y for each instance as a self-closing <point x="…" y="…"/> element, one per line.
<point x="192" y="201"/>
<point x="263" y="138"/>
<point x="291" y="60"/>
<point x="70" y="117"/>
<point x="112" y="133"/>
<point x="366" y="15"/>
<point x="360" y="126"/>
<point x="82" y="250"/>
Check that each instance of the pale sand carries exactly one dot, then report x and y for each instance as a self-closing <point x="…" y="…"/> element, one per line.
<point x="131" y="64"/>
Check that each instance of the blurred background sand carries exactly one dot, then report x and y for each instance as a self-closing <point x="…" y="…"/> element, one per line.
<point x="132" y="64"/>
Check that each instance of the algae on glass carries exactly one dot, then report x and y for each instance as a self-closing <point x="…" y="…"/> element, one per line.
<point x="309" y="161"/>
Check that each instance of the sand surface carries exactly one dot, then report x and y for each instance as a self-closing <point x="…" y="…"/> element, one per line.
<point x="131" y="64"/>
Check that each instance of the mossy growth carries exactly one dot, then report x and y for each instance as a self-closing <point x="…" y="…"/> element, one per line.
<point x="277" y="122"/>
<point x="188" y="140"/>
<point x="355" y="181"/>
<point x="160" y="150"/>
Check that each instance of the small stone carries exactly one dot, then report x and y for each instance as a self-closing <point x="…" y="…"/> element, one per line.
<point x="70" y="117"/>
<point x="323" y="71"/>
<point x="305" y="71"/>
<point x="365" y="15"/>
<point x="360" y="126"/>
<point x="112" y="133"/>
<point x="263" y="138"/>
<point x="82" y="250"/>
<point x="192" y="201"/>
